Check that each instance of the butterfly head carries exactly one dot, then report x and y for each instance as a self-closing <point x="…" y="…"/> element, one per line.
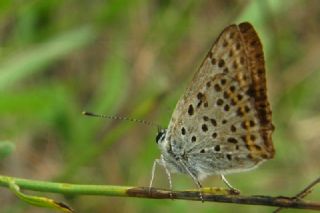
<point x="161" y="136"/>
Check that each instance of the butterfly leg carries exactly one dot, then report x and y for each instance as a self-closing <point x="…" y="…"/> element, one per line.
<point x="195" y="179"/>
<point x="156" y="161"/>
<point x="168" y="174"/>
<point x="228" y="184"/>
<point x="163" y="163"/>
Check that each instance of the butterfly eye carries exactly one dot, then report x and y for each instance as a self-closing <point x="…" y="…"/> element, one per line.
<point x="160" y="136"/>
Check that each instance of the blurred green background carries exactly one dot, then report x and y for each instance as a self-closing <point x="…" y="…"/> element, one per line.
<point x="135" y="58"/>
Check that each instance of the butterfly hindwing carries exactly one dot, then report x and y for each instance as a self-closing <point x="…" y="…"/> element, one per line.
<point x="223" y="121"/>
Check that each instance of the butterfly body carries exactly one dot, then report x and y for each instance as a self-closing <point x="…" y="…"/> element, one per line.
<point x="222" y="124"/>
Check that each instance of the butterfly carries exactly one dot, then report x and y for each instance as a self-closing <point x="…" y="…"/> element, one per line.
<point x="222" y="124"/>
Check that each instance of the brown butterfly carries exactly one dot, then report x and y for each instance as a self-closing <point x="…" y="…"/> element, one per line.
<point x="222" y="123"/>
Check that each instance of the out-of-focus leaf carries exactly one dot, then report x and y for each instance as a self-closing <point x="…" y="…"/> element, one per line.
<point x="33" y="60"/>
<point x="6" y="148"/>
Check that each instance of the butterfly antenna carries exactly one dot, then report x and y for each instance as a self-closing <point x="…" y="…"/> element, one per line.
<point x="148" y="123"/>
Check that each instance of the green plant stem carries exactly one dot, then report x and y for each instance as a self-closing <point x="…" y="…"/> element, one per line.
<point x="209" y="194"/>
<point x="65" y="188"/>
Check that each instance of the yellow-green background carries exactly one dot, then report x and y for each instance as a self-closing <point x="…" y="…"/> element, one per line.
<point x="135" y="58"/>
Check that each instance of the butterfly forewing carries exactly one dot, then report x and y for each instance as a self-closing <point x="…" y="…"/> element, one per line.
<point x="223" y="121"/>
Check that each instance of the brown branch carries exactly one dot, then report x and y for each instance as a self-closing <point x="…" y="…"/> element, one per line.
<point x="303" y="193"/>
<point x="280" y="201"/>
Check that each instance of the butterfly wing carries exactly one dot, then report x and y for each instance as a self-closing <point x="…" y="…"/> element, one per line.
<point x="223" y="121"/>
